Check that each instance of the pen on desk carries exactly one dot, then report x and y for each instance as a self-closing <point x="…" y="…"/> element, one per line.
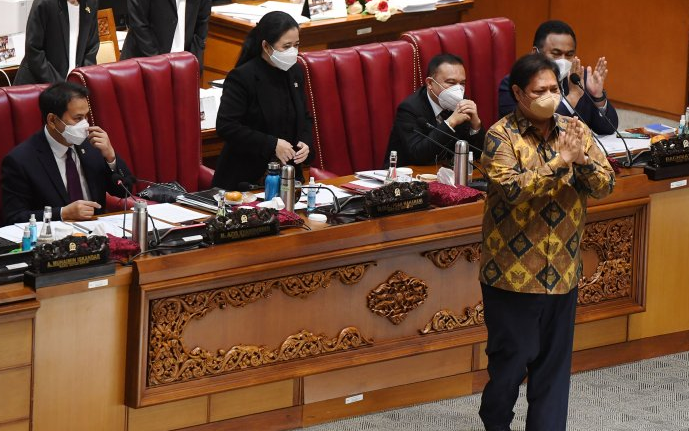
<point x="82" y="229"/>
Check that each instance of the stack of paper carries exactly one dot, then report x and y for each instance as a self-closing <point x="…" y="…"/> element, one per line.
<point x="409" y="6"/>
<point x="614" y="145"/>
<point x="254" y="14"/>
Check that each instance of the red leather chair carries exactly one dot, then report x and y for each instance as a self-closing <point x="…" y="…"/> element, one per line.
<point x="488" y="49"/>
<point x="150" y="109"/>
<point x="20" y="116"/>
<point x="353" y="94"/>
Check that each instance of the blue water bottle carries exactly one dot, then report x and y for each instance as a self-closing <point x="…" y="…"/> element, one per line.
<point x="273" y="181"/>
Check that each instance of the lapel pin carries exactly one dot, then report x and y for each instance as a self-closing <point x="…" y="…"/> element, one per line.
<point x="296" y="85"/>
<point x="87" y="9"/>
<point x="82" y="151"/>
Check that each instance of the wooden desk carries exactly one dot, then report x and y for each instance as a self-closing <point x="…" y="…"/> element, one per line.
<point x="318" y="319"/>
<point x="226" y="35"/>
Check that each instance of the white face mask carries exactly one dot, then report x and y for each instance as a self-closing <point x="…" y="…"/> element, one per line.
<point x="450" y="97"/>
<point x="284" y="59"/>
<point x="564" y="67"/>
<point x="76" y="134"/>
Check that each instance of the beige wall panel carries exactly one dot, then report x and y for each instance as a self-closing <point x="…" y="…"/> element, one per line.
<point x="15" y="395"/>
<point x="16" y="426"/>
<point x="381" y="375"/>
<point x="600" y="333"/>
<point x="169" y="416"/>
<point x="248" y="401"/>
<point x="79" y="361"/>
<point x="667" y="297"/>
<point x="16" y="343"/>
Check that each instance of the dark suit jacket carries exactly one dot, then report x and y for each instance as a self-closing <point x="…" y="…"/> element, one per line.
<point x="247" y="122"/>
<point x="47" y="41"/>
<point x="31" y="179"/>
<point x="589" y="111"/>
<point x="414" y="149"/>
<point x="152" y="25"/>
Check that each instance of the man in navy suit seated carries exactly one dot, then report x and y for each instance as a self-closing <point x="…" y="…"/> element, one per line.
<point x="556" y="40"/>
<point x="66" y="165"/>
<point x="441" y="103"/>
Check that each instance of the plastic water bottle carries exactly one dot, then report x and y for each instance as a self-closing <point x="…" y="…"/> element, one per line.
<point x="392" y="170"/>
<point x="46" y="235"/>
<point x="311" y="196"/>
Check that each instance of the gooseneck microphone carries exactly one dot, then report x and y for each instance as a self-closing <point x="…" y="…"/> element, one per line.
<point x="122" y="181"/>
<point x="425" y="124"/>
<point x="576" y="80"/>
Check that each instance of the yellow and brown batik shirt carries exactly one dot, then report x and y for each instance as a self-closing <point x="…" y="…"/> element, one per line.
<point x="535" y="210"/>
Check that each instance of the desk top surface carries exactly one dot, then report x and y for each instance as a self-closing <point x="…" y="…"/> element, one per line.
<point x="362" y="236"/>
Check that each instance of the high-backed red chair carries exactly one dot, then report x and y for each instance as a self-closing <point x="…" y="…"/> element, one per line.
<point x="150" y="109"/>
<point x="20" y="116"/>
<point x="488" y="49"/>
<point x="353" y="94"/>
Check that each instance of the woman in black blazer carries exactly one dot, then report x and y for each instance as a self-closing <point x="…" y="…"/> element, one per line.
<point x="47" y="41"/>
<point x="262" y="115"/>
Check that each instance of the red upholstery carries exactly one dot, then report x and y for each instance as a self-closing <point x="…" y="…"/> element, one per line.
<point x="20" y="116"/>
<point x="150" y="109"/>
<point x="487" y="48"/>
<point x="353" y="94"/>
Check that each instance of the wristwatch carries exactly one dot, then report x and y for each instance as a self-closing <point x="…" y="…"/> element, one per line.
<point x="599" y="99"/>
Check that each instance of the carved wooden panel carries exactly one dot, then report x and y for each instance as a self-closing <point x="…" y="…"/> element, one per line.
<point x="446" y="257"/>
<point x="170" y="361"/>
<point x="613" y="242"/>
<point x="103" y="27"/>
<point x="448" y="320"/>
<point x="399" y="295"/>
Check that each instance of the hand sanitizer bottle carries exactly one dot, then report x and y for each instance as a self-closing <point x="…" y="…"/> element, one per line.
<point x="392" y="170"/>
<point x="311" y="196"/>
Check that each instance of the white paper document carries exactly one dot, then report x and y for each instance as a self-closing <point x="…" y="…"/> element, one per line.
<point x="12" y="233"/>
<point x="378" y="175"/>
<point x="324" y="197"/>
<point x="174" y="213"/>
<point x="115" y="222"/>
<point x="614" y="145"/>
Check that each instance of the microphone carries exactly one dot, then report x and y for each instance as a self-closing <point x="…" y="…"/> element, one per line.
<point x="246" y="186"/>
<point x="576" y="80"/>
<point x="423" y="123"/>
<point x="118" y="179"/>
<point x="121" y="181"/>
<point x="336" y="203"/>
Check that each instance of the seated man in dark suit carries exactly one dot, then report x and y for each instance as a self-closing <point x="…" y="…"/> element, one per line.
<point x="556" y="40"/>
<point x="66" y="165"/>
<point x="440" y="102"/>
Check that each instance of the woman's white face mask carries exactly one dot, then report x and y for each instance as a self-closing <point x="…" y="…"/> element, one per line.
<point x="283" y="60"/>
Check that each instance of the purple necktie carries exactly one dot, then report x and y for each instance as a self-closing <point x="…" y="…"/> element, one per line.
<point x="73" y="182"/>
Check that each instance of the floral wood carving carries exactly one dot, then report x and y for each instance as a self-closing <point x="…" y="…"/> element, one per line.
<point x="613" y="242"/>
<point x="447" y="320"/>
<point x="446" y="257"/>
<point x="399" y="295"/>
<point x="174" y="364"/>
<point x="169" y="316"/>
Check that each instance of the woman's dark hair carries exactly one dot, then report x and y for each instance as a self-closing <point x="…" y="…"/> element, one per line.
<point x="270" y="28"/>
<point x="527" y="67"/>
<point x="54" y="99"/>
